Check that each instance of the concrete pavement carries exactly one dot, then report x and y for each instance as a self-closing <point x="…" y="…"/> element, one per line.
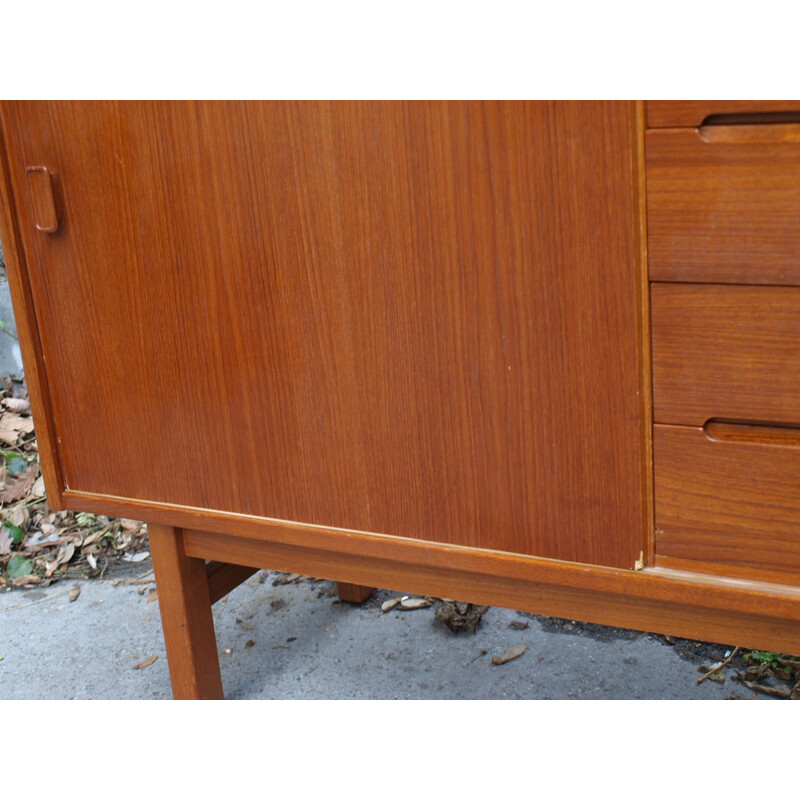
<point x="298" y="641"/>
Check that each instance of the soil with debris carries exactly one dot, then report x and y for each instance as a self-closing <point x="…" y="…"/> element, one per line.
<point x="773" y="674"/>
<point x="459" y="617"/>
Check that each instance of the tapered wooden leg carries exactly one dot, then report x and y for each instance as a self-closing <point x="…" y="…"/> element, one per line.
<point x="185" y="605"/>
<point x="353" y="592"/>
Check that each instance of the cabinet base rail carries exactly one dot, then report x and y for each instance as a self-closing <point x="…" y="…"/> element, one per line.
<point x="746" y="613"/>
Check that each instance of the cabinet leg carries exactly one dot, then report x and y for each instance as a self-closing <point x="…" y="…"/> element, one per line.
<point x="185" y="606"/>
<point x="353" y="592"/>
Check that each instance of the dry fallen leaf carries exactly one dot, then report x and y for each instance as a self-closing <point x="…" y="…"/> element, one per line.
<point x="284" y="579"/>
<point x="12" y="426"/>
<point x="388" y="605"/>
<point x="74" y="593"/>
<point x="93" y="537"/>
<point x="513" y="652"/>
<point x="146" y="663"/>
<point x="409" y="603"/>
<point x="518" y="625"/>
<point x="19" y="515"/>
<point x="153" y="595"/>
<point x="5" y="541"/>
<point x="16" y="487"/>
<point x="39" y="541"/>
<point x="63" y="556"/>
<point x="19" y="405"/>
<point x="27" y="580"/>
<point x="135" y="558"/>
<point x="784" y="692"/>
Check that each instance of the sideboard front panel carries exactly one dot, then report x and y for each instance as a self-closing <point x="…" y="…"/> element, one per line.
<point x="416" y="318"/>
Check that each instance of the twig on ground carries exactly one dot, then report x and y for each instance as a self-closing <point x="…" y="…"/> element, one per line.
<point x="127" y="581"/>
<point x="35" y="602"/>
<point x="720" y="665"/>
<point x="784" y="692"/>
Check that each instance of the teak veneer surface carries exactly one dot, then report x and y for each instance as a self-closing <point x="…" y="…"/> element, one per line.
<point x="726" y="352"/>
<point x="414" y="318"/>
<point x="666" y="601"/>
<point x="185" y="606"/>
<point x="407" y="344"/>
<point x="723" y="204"/>
<point x="727" y="505"/>
<point x="692" y="113"/>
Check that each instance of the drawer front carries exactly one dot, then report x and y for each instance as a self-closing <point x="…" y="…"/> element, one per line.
<point x="725" y="352"/>
<point x="723" y="204"/>
<point x="728" y="504"/>
<point x="692" y="113"/>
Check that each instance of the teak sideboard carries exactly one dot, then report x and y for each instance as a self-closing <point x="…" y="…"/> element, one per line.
<point x="541" y="355"/>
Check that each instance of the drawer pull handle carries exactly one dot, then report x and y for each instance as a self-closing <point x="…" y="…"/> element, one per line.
<point x="765" y="433"/>
<point x="752" y="118"/>
<point x="750" y="134"/>
<point x="40" y="185"/>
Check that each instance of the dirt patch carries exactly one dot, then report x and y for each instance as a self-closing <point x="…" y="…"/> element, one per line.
<point x="687" y="649"/>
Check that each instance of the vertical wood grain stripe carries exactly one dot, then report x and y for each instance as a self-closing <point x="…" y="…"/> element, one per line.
<point x="28" y="332"/>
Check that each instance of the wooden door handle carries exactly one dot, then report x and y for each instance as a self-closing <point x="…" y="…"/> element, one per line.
<point x="40" y="185"/>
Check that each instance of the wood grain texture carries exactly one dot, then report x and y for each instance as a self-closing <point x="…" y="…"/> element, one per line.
<point x="29" y="339"/>
<point x="224" y="578"/>
<point x="729" y="352"/>
<point x="371" y="553"/>
<point x="695" y="605"/>
<point x="724" y="209"/>
<point x="699" y="607"/>
<point x="727" y="506"/>
<point x="645" y="337"/>
<point x="185" y="606"/>
<point x="353" y="592"/>
<point x="692" y="113"/>
<point x="407" y="318"/>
